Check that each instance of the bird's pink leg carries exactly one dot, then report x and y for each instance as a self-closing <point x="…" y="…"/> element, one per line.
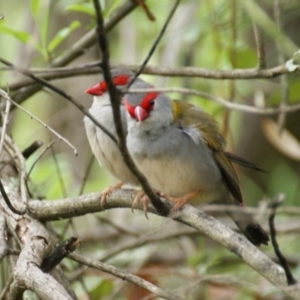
<point x="180" y="201"/>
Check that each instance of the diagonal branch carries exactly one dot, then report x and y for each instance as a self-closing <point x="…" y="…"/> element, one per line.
<point x="115" y="102"/>
<point x="79" y="48"/>
<point x="125" y="276"/>
<point x="194" y="72"/>
<point x="189" y="215"/>
<point x="61" y="93"/>
<point x="154" y="46"/>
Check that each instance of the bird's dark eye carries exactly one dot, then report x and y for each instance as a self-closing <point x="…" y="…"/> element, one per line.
<point x="151" y="103"/>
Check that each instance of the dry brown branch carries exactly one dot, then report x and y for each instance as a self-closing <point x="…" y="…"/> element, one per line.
<point x="66" y="208"/>
<point x="115" y="99"/>
<point x="93" y="68"/>
<point x="36" y="243"/>
<point x="125" y="276"/>
<point x="225" y="103"/>
<point x="5" y="96"/>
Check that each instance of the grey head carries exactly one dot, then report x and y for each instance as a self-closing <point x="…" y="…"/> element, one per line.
<point x="149" y="111"/>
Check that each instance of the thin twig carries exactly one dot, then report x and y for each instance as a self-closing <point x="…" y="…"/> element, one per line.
<point x="289" y="276"/>
<point x="8" y="202"/>
<point x="86" y="174"/>
<point x="93" y="68"/>
<point x="33" y="165"/>
<point x="115" y="102"/>
<point x="155" y="44"/>
<point x="125" y="276"/>
<point x="283" y="78"/>
<point x="39" y="157"/>
<point x="5" y="95"/>
<point x="5" y="123"/>
<point x="61" y="93"/>
<point x="118" y="228"/>
<point x="146" y="9"/>
<point x="223" y="102"/>
<point x="260" y="49"/>
<point x="31" y="148"/>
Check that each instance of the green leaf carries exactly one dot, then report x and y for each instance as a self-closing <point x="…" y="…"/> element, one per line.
<point x="103" y="289"/>
<point x="62" y="34"/>
<point x="34" y="6"/>
<point x="86" y="8"/>
<point x="20" y="35"/>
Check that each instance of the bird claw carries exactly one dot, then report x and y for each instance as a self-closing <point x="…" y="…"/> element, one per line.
<point x="107" y="191"/>
<point x="142" y="198"/>
<point x="179" y="201"/>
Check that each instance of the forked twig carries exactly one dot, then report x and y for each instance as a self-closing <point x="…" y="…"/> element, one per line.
<point x="6" y="97"/>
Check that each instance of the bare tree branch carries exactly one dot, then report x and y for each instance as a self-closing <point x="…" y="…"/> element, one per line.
<point x="125" y="276"/>
<point x="155" y="44"/>
<point x="66" y="208"/>
<point x="36" y="243"/>
<point x="61" y="138"/>
<point x="223" y="102"/>
<point x="260" y="49"/>
<point x="277" y="202"/>
<point x="61" y="93"/>
<point x="115" y="102"/>
<point x="93" y="68"/>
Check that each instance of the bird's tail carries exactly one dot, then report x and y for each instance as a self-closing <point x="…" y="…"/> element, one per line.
<point x="252" y="230"/>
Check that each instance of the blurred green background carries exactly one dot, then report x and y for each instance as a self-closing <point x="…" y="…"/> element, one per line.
<point x="209" y="34"/>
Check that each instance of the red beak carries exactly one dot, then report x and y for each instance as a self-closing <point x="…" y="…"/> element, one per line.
<point x="140" y="113"/>
<point x="95" y="90"/>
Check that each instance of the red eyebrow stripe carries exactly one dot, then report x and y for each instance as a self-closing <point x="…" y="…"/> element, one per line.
<point x="148" y="97"/>
<point x="121" y="80"/>
<point x="118" y="80"/>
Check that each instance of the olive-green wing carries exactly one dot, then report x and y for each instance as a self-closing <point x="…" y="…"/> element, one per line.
<point x="243" y="162"/>
<point x="187" y="115"/>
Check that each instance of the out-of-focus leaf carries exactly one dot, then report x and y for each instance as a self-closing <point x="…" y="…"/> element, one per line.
<point x="112" y="7"/>
<point x="34" y="6"/>
<point x="294" y="90"/>
<point x="283" y="179"/>
<point x="285" y="142"/>
<point x="20" y="35"/>
<point x="62" y="34"/>
<point x="104" y="288"/>
<point x="86" y="8"/>
<point x="245" y="58"/>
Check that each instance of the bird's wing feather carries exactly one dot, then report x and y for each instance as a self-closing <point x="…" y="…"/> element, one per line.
<point x="243" y="162"/>
<point x="187" y="116"/>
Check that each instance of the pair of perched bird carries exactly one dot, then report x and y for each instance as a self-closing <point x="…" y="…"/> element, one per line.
<point x="174" y="144"/>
